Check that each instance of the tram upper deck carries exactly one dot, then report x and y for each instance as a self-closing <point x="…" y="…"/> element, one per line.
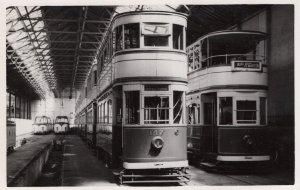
<point x="138" y="46"/>
<point x="229" y="59"/>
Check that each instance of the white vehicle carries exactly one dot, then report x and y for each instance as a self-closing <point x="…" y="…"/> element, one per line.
<point x="61" y="124"/>
<point x="42" y="125"/>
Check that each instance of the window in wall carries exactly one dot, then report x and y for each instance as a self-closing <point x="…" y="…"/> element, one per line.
<point x="156" y="35"/>
<point x="119" y="38"/>
<point x="18" y="109"/>
<point x="194" y="114"/>
<point x="132" y="107"/>
<point x="8" y="104"/>
<point x="246" y="111"/>
<point x="225" y="110"/>
<point x="178" y="107"/>
<point x="22" y="108"/>
<point x="109" y="109"/>
<point x="29" y="110"/>
<point x="177" y="37"/>
<point x="25" y="108"/>
<point x="95" y="78"/>
<point x="263" y="108"/>
<point x="156" y="110"/>
<point x="132" y="36"/>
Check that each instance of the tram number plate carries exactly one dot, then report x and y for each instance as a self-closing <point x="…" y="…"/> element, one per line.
<point x="156" y="132"/>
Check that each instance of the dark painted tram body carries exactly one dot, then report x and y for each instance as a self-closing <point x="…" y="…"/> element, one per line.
<point x="227" y="98"/>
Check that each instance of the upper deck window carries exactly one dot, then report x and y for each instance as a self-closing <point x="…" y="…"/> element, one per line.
<point x="132" y="35"/>
<point x="223" y="48"/>
<point x="156" y="35"/>
<point x="119" y="38"/>
<point x="177" y="37"/>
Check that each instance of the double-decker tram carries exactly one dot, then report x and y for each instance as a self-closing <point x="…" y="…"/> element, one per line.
<point x="61" y="125"/>
<point x="227" y="98"/>
<point x="42" y="125"/>
<point x="135" y="97"/>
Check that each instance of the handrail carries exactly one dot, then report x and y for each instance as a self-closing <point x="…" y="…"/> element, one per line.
<point x="226" y="61"/>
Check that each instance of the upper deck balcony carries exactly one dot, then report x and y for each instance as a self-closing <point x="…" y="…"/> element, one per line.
<point x="228" y="58"/>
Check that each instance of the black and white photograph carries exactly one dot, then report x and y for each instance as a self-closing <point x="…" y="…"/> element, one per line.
<point x="149" y="95"/>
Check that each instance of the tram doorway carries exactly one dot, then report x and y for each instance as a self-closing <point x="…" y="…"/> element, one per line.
<point x="209" y="101"/>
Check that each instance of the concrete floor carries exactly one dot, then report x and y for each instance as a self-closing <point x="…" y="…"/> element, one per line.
<point x="81" y="168"/>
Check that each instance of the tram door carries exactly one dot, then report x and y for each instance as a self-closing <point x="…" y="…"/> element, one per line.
<point x="209" y="101"/>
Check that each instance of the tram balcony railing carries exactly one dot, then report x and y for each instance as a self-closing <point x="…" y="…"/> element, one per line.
<point x="223" y="60"/>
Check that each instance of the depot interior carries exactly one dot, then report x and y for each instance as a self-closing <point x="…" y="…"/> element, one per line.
<point x="45" y="77"/>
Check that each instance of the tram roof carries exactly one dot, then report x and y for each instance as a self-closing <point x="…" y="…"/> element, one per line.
<point x="52" y="48"/>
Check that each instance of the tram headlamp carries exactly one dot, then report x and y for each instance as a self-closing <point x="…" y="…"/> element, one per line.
<point x="190" y="145"/>
<point x="157" y="142"/>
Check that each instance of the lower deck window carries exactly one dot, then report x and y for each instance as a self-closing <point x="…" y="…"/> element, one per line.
<point x="194" y="114"/>
<point x="156" y="110"/>
<point x="177" y="107"/>
<point x="263" y="106"/>
<point x="225" y="111"/>
<point x="132" y="105"/>
<point x="246" y="111"/>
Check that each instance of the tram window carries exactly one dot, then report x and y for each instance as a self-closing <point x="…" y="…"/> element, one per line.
<point x="101" y="113"/>
<point x="105" y="112"/>
<point x="190" y="59"/>
<point x="89" y="117"/>
<point x="194" y="114"/>
<point x="225" y="110"/>
<point x="132" y="36"/>
<point x="119" y="38"/>
<point x="177" y="37"/>
<point x="156" y="110"/>
<point x="204" y="53"/>
<point x="263" y="106"/>
<point x="156" y="35"/>
<point x="132" y="105"/>
<point x="197" y="56"/>
<point x="246" y="111"/>
<point x="177" y="107"/>
<point x="109" y="104"/>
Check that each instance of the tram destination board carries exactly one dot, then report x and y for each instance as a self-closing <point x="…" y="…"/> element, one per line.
<point x="246" y="65"/>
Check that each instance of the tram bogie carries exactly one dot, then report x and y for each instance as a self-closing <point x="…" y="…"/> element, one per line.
<point x="227" y="98"/>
